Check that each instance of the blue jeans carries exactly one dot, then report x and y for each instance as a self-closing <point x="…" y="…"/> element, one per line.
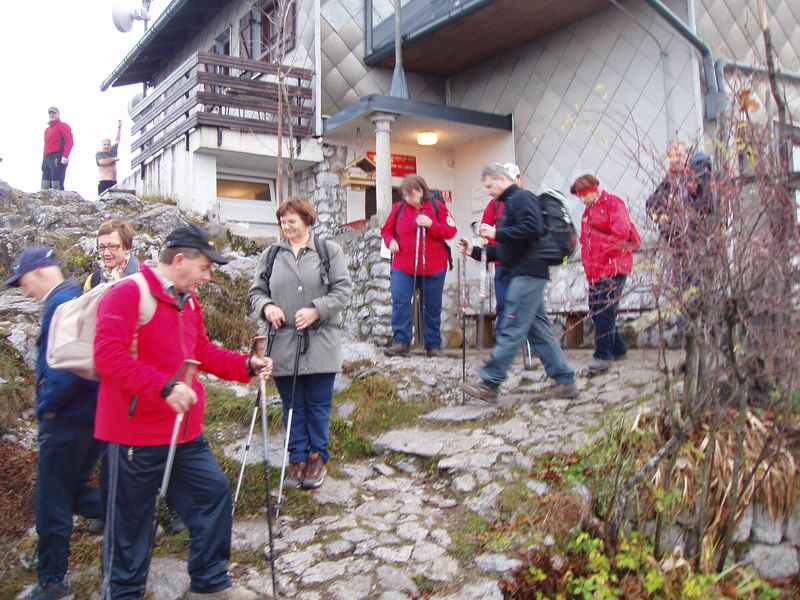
<point x="198" y="491"/>
<point x="500" y="298"/>
<point x="68" y="453"/>
<point x="430" y="294"/>
<point x="313" y="400"/>
<point x="604" y="296"/>
<point x="526" y="318"/>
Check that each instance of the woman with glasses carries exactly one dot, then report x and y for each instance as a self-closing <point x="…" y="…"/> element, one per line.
<point x="114" y="245"/>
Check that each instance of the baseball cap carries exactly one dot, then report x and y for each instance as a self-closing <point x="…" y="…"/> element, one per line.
<point x="195" y="237"/>
<point x="53" y="109"/>
<point x="30" y="260"/>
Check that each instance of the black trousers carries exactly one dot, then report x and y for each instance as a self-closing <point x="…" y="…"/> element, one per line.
<point x="197" y="490"/>
<point x="105" y="184"/>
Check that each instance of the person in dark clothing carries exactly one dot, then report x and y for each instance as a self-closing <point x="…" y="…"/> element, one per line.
<point x="68" y="452"/>
<point x="526" y="275"/>
<point x="57" y="146"/>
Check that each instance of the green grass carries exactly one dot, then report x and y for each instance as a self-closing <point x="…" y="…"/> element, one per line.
<point x="226" y="309"/>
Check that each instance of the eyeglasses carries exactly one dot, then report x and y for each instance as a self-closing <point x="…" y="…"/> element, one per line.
<point x="112" y="247"/>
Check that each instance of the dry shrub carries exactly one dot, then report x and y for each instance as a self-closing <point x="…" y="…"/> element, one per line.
<point x="17" y="484"/>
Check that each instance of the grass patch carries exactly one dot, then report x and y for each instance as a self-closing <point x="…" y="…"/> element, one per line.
<point x="225" y="310"/>
<point x="16" y="392"/>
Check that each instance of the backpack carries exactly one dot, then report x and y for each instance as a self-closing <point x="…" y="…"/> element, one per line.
<point x="322" y="249"/>
<point x="70" y="339"/>
<point x="561" y="238"/>
<point x="436" y="196"/>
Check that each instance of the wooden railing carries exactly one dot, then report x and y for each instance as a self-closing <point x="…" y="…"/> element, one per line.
<point x="224" y="92"/>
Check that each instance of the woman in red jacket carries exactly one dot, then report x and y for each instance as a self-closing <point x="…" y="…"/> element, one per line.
<point x="608" y="240"/>
<point x="415" y="232"/>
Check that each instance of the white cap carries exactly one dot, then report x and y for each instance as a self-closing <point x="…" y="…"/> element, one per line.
<point x="511" y="169"/>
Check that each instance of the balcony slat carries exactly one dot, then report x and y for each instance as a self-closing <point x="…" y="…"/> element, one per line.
<point x="157" y="147"/>
<point x="267" y="88"/>
<point x="162" y="87"/>
<point x="173" y="115"/>
<point x="259" y="66"/>
<point x="168" y="101"/>
<point x="251" y="103"/>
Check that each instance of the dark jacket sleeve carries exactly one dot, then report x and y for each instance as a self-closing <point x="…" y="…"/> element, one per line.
<point x="527" y="224"/>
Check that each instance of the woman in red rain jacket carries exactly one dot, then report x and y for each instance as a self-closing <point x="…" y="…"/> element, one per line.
<point x="608" y="240"/>
<point x="415" y="232"/>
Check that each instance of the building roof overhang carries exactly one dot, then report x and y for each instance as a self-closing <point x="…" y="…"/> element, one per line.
<point x="455" y="126"/>
<point x="445" y="41"/>
<point x="180" y="21"/>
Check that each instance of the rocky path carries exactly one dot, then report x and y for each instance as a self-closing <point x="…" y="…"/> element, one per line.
<point x="389" y="522"/>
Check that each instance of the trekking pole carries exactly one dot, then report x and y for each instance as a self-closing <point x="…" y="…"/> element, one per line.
<point x="424" y="233"/>
<point x="185" y="374"/>
<point x="482" y="297"/>
<point x="414" y="284"/>
<point x="464" y="303"/>
<point x="259" y="350"/>
<point x="300" y="334"/>
<point x="528" y="356"/>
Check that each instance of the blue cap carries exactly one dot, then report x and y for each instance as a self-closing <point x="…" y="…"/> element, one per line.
<point x="30" y="260"/>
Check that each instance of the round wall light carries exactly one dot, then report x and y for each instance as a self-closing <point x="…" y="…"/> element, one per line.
<point x="427" y="138"/>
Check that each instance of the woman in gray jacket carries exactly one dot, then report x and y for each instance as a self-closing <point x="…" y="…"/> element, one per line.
<point x="303" y="302"/>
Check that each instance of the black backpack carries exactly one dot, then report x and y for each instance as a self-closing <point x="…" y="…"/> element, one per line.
<point x="561" y="238"/>
<point x="322" y="249"/>
<point x="435" y="199"/>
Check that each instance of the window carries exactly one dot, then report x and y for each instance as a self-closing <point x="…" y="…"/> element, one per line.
<point x="246" y="190"/>
<point x="267" y="32"/>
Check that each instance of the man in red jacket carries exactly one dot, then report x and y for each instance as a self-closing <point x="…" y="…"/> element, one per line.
<point x="136" y="410"/>
<point x="57" y="146"/>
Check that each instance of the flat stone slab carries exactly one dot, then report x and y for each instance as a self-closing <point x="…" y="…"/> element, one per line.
<point x="458" y="414"/>
<point x="429" y="444"/>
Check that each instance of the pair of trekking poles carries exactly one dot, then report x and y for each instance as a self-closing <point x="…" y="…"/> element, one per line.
<point x="420" y="239"/>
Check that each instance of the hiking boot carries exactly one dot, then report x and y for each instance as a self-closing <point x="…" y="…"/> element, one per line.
<point x="397" y="350"/>
<point x="596" y="367"/>
<point x="232" y="593"/>
<point x="52" y="591"/>
<point x="315" y="471"/>
<point x="618" y="357"/>
<point x="95" y="526"/>
<point x="294" y="476"/>
<point x="567" y="391"/>
<point x="176" y="524"/>
<point x="481" y="390"/>
<point x="434" y="352"/>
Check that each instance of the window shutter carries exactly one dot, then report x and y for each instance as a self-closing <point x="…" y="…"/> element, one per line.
<point x="246" y="35"/>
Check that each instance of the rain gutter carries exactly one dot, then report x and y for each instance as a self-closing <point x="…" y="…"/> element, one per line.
<point x="162" y="21"/>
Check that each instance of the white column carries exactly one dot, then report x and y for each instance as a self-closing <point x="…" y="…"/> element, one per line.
<point x="383" y="163"/>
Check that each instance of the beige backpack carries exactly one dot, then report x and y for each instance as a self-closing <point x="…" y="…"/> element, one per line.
<point x="70" y="340"/>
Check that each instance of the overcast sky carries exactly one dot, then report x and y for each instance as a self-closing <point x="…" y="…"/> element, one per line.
<point x="57" y="52"/>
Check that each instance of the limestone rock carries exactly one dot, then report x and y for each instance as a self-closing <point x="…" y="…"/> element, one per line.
<point x="496" y="562"/>
<point x="168" y="579"/>
<point x="773" y="562"/>
<point x="766" y="529"/>
<point x="395" y="580"/>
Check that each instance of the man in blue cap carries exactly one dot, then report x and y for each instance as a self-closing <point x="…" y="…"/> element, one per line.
<point x="68" y="452"/>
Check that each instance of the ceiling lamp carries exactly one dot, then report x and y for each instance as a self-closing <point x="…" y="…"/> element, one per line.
<point x="427" y="138"/>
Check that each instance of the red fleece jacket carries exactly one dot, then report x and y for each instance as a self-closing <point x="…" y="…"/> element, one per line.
<point x="57" y="136"/>
<point x="171" y="336"/>
<point x="608" y="238"/>
<point x="443" y="228"/>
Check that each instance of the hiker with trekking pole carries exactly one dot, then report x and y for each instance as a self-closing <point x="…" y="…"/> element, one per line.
<point x="150" y="410"/>
<point x="522" y="246"/>
<point x="415" y="232"/>
<point x="300" y="287"/>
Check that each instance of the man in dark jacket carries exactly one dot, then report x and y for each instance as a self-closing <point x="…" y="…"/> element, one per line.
<point x="68" y="452"/>
<point x="526" y="272"/>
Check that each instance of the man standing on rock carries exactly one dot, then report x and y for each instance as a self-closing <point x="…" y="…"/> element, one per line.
<point x="68" y="452"/>
<point x="136" y="412"/>
<point x="57" y="146"/>
<point x="106" y="161"/>
<point x="526" y="275"/>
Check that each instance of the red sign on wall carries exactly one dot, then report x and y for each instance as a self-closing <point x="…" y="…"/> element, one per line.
<point x="402" y="165"/>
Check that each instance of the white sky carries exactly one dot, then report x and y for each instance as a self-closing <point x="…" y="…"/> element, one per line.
<point x="57" y="52"/>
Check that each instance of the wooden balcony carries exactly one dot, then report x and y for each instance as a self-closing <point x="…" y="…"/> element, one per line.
<point x="221" y="91"/>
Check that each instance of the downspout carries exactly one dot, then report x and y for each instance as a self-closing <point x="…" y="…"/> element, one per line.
<point x="726" y="64"/>
<point x="151" y="33"/>
<point x="716" y="100"/>
<point x="317" y="70"/>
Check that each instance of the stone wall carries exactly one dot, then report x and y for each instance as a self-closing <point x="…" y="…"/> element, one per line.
<point x="320" y="184"/>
